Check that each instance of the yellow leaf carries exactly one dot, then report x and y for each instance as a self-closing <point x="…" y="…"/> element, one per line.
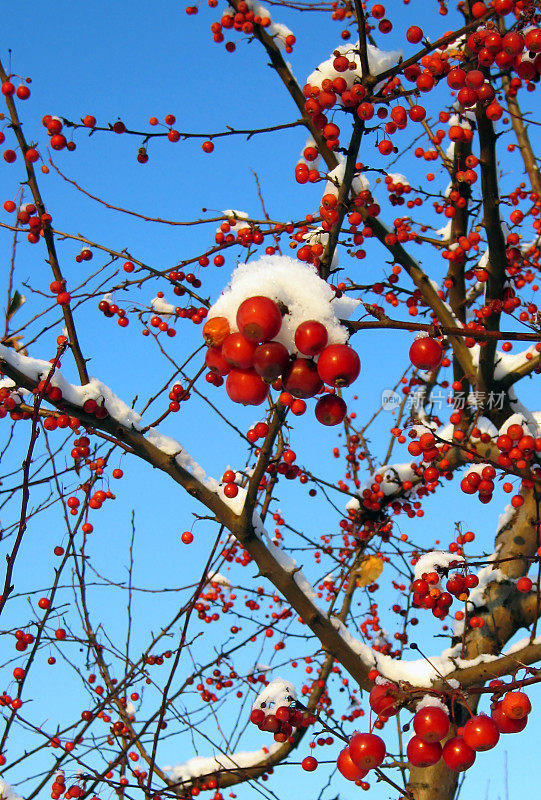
<point x="369" y="570"/>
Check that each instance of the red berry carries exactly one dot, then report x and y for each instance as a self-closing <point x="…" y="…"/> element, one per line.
<point x="338" y="365"/>
<point x="481" y="733"/>
<point x="367" y="750"/>
<point x="259" y="319"/>
<point x="310" y="337"/>
<point x="426" y="353"/>
<point x="422" y="753"/>
<point x="347" y="768"/>
<point x="330" y="409"/>
<point x="458" y="755"/>
<point x="431" y="723"/>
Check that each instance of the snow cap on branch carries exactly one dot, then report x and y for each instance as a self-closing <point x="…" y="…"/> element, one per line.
<point x="278" y="693"/>
<point x="293" y="284"/>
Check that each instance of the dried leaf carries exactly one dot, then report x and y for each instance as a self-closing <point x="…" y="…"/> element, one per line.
<point x="16" y="302"/>
<point x="369" y="570"/>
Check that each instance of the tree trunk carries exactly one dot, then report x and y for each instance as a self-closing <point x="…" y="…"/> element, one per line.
<point x="433" y="783"/>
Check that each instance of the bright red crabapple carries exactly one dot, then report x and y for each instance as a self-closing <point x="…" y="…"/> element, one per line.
<point x="270" y="360"/>
<point x="524" y="584"/>
<point x="238" y="351"/>
<point x="382" y="699"/>
<point x="330" y="409"/>
<point x="431" y="723"/>
<point x="246" y="387"/>
<point x="301" y="379"/>
<point x="481" y="733"/>
<point x="215" y="361"/>
<point x="310" y="337"/>
<point x="338" y="365"/>
<point x="367" y="750"/>
<point x="426" y="353"/>
<point x="414" y="34"/>
<point x="507" y="724"/>
<point x="457" y="754"/>
<point x="422" y="753"/>
<point x="309" y="763"/>
<point x="347" y="768"/>
<point x="259" y="319"/>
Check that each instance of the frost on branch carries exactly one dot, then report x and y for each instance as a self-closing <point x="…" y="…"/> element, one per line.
<point x="203" y="765"/>
<point x="6" y="792"/>
<point x="36" y="369"/>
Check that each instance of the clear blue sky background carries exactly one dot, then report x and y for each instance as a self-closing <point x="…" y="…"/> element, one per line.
<point x="138" y="60"/>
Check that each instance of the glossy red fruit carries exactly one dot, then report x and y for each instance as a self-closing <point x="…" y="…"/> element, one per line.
<point x="271" y="359"/>
<point x="338" y="365"/>
<point x="367" y="750"/>
<point x="414" y="34"/>
<point x="431" y="723"/>
<point x="426" y="353"/>
<point x="309" y="763"/>
<point x="347" y="768"/>
<point x="330" y="409"/>
<point x="507" y="724"/>
<point x="246" y="387"/>
<point x="301" y="378"/>
<point x="257" y="716"/>
<point x="311" y="337"/>
<point x="383" y="698"/>
<point x="259" y="319"/>
<point x="458" y="755"/>
<point x="215" y="361"/>
<point x="238" y="351"/>
<point x="422" y="753"/>
<point x="481" y="733"/>
<point x="516" y="705"/>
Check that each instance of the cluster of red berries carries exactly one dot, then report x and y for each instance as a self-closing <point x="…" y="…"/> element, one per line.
<point x="26" y="215"/>
<point x="63" y="297"/>
<point x="85" y="255"/>
<point x="244" y="21"/>
<point x="230" y="489"/>
<point x="22" y="640"/>
<point x="177" y="395"/>
<point x="482" y="483"/>
<point x="427" y="592"/>
<point x="281" y="722"/>
<point x="251" y="360"/>
<point x="517" y="448"/>
<point x="57" y="139"/>
<point x="21" y="91"/>
<point x="94" y="409"/>
<point x="110" y="309"/>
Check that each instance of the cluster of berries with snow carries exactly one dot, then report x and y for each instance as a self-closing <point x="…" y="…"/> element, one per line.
<point x="275" y="711"/>
<point x="290" y="336"/>
<point x="428" y="591"/>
